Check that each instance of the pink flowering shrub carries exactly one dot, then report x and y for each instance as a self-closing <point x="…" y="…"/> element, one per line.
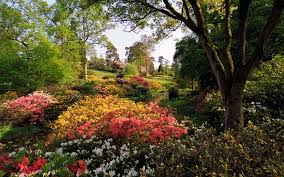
<point x="154" y="126"/>
<point x="30" y="107"/>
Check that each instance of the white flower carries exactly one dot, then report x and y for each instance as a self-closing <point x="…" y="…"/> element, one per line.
<point x="64" y="144"/>
<point x="98" y="170"/>
<point x="59" y="150"/>
<point x="12" y="154"/>
<point x="73" y="154"/>
<point x="21" y="149"/>
<point x="47" y="154"/>
<point x="132" y="172"/>
<point x="111" y="173"/>
<point x="53" y="172"/>
<point x="89" y="161"/>
<point x="98" y="151"/>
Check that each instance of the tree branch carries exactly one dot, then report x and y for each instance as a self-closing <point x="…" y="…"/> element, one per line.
<point x="159" y="10"/>
<point x="198" y="14"/>
<point x="228" y="56"/>
<point x="184" y="6"/>
<point x="190" y="22"/>
<point x="242" y="30"/>
<point x="173" y="14"/>
<point x="271" y="23"/>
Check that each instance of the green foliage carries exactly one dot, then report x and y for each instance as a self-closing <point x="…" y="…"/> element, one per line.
<point x="249" y="153"/>
<point x="190" y="63"/>
<point x="130" y="69"/>
<point x="28" y="57"/>
<point x="137" y="92"/>
<point x="173" y="93"/>
<point x="65" y="97"/>
<point x="86" y="88"/>
<point x="139" y="54"/>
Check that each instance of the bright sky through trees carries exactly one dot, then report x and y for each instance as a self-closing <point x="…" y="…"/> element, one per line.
<point x="122" y="39"/>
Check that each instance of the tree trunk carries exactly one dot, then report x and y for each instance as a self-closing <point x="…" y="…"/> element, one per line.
<point x="86" y="69"/>
<point x="234" y="118"/>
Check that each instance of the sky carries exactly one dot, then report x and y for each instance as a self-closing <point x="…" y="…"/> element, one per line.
<point x="122" y="39"/>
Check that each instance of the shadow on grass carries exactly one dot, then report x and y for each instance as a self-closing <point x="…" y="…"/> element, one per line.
<point x="185" y="109"/>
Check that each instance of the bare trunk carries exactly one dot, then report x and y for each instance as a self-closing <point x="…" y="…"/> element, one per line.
<point x="86" y="69"/>
<point x="234" y="118"/>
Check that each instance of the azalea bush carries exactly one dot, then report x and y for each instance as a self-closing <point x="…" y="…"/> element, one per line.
<point x="40" y="163"/>
<point x="118" y="118"/>
<point x="23" y="166"/>
<point x="140" y="80"/>
<point x="82" y="157"/>
<point x="154" y="126"/>
<point x="92" y="109"/>
<point x="29" y="108"/>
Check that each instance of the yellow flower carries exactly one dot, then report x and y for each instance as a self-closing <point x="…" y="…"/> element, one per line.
<point x="92" y="109"/>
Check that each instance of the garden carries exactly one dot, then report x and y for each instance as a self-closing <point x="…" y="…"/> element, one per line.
<point x="66" y="110"/>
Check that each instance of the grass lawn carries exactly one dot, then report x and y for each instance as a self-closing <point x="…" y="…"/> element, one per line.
<point x="185" y="109"/>
<point x="101" y="74"/>
<point x="165" y="80"/>
<point x="15" y="137"/>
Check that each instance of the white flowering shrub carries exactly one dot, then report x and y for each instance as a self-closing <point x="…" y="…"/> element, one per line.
<point x="110" y="158"/>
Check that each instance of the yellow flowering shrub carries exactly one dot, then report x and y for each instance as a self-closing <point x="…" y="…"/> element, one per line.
<point x="92" y="78"/>
<point x="92" y="109"/>
<point x="156" y="86"/>
<point x="114" y="89"/>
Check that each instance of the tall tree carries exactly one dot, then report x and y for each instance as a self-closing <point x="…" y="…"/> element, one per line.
<point x="111" y="54"/>
<point x="231" y="71"/>
<point x="139" y="54"/>
<point x="191" y="63"/>
<point x="87" y="22"/>
<point x="161" y="64"/>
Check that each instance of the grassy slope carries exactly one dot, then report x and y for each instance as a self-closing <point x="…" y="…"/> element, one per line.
<point x="101" y="74"/>
<point x="159" y="79"/>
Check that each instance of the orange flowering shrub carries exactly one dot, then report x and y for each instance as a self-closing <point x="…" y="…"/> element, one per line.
<point x="156" y="86"/>
<point x="92" y="109"/>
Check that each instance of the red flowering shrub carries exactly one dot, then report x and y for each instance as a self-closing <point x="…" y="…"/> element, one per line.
<point x="154" y="126"/>
<point x="30" y="107"/>
<point x="25" y="166"/>
<point x="141" y="81"/>
<point x="79" y="168"/>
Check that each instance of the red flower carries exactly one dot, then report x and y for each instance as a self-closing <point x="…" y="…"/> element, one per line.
<point x="79" y="168"/>
<point x="38" y="164"/>
<point x="23" y="166"/>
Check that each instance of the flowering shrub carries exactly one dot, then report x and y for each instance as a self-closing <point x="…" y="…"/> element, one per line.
<point x="40" y="163"/>
<point x="155" y="125"/>
<point x="111" y="158"/>
<point x="78" y="168"/>
<point x="8" y="96"/>
<point x="92" y="109"/>
<point x="30" y="107"/>
<point x="119" y="118"/>
<point x="141" y="81"/>
<point x="156" y="86"/>
<point x="24" y="166"/>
